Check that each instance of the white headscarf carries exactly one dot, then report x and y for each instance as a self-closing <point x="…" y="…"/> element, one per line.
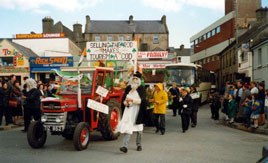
<point x="31" y="84"/>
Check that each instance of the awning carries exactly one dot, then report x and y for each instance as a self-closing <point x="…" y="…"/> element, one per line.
<point x="43" y="70"/>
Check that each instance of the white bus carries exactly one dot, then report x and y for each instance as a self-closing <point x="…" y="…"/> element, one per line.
<point x="190" y="75"/>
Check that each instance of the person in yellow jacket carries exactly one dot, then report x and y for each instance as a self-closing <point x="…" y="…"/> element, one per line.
<point x="160" y="100"/>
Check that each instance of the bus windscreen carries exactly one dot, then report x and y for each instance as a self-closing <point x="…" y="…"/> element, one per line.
<point x="181" y="75"/>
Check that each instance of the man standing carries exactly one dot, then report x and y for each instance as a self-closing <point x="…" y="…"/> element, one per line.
<point x="134" y="110"/>
<point x="160" y="106"/>
<point x="238" y="96"/>
<point x="196" y="98"/>
<point x="187" y="104"/>
<point x="174" y="93"/>
<point x="254" y="89"/>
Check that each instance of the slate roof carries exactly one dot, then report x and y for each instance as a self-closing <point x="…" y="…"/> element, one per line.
<point x="125" y="27"/>
<point x="25" y="51"/>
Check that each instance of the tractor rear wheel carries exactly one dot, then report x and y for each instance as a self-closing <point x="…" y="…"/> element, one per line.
<point x="108" y="122"/>
<point x="36" y="135"/>
<point x="81" y="136"/>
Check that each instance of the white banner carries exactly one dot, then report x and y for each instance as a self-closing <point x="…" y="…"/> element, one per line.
<point x="153" y="65"/>
<point x="114" y="50"/>
<point x="102" y="91"/>
<point x="153" y="54"/>
<point x="97" y="106"/>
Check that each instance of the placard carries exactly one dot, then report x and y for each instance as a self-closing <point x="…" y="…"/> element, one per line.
<point x="98" y="106"/>
<point x="102" y="91"/>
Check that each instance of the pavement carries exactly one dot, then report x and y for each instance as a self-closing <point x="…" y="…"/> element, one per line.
<point x="209" y="142"/>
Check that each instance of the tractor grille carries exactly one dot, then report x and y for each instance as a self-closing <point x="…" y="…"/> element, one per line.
<point x="51" y="105"/>
<point x="57" y="119"/>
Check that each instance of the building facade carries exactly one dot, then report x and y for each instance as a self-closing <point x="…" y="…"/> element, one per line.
<point x="151" y="34"/>
<point x="183" y="54"/>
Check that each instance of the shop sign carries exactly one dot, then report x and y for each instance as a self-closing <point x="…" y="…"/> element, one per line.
<point x="51" y="61"/>
<point x="40" y="35"/>
<point x="152" y="54"/>
<point x="114" y="50"/>
<point x="13" y="69"/>
<point x="153" y="65"/>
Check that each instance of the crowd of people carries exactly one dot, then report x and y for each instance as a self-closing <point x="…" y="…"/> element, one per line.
<point x="22" y="102"/>
<point x="242" y="103"/>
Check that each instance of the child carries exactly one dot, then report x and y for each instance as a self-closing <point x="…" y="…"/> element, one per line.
<point x="210" y="101"/>
<point x="256" y="107"/>
<point x="216" y="106"/>
<point x="266" y="105"/>
<point x="225" y="106"/>
<point x="231" y="108"/>
<point x="247" y="108"/>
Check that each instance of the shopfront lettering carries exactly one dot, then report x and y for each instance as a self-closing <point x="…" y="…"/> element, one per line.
<point x="52" y="60"/>
<point x="13" y="52"/>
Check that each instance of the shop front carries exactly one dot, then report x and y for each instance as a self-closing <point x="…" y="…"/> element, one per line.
<point x="41" y="68"/>
<point x="14" y="59"/>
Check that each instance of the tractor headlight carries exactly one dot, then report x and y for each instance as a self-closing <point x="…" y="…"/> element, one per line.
<point x="43" y="118"/>
<point x="58" y="120"/>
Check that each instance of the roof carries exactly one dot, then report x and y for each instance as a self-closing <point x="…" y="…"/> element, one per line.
<point x="25" y="51"/>
<point x="183" y="52"/>
<point x="125" y="27"/>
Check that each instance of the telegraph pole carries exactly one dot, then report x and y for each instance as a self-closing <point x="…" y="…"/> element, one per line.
<point x="236" y="35"/>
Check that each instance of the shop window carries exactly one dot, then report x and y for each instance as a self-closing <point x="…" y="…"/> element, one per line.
<point x="6" y="61"/>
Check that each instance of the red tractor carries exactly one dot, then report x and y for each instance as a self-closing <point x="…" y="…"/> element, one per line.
<point x="62" y="116"/>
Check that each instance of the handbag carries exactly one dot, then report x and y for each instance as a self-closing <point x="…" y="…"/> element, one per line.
<point x="12" y="103"/>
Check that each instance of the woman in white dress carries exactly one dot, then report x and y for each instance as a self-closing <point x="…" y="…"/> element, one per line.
<point x="134" y="108"/>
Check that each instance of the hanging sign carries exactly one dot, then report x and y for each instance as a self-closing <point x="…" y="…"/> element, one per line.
<point x="114" y="50"/>
<point x="102" y="91"/>
<point x="152" y="54"/>
<point x="97" y="106"/>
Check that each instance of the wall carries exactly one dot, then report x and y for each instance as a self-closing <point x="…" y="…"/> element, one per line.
<point x="260" y="72"/>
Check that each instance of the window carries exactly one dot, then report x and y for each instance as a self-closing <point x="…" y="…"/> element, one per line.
<point x="218" y="29"/>
<point x="259" y="57"/>
<point x="109" y="38"/>
<point x="200" y="39"/>
<point x="244" y="56"/>
<point x="97" y="38"/>
<point x="208" y="35"/>
<point x="204" y="36"/>
<point x="213" y="32"/>
<point x="192" y="45"/>
<point x="196" y="41"/>
<point x="156" y="40"/>
<point x="6" y="62"/>
<point x="121" y="38"/>
<point x="128" y="38"/>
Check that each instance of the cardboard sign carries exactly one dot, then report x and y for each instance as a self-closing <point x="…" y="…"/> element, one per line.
<point x="97" y="106"/>
<point x="113" y="50"/>
<point x="195" y="95"/>
<point x="102" y="91"/>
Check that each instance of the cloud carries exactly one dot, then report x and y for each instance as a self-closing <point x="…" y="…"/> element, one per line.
<point x="176" y="5"/>
<point x="43" y="6"/>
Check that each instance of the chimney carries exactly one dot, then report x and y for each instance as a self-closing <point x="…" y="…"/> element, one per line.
<point x="182" y="47"/>
<point x="262" y="14"/>
<point x="130" y="19"/>
<point x="48" y="24"/>
<point x="77" y="32"/>
<point x="164" y="19"/>
<point x="87" y="19"/>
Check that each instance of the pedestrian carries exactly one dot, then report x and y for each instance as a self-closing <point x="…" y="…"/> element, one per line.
<point x="25" y="93"/>
<point x="261" y="96"/>
<point x="266" y="105"/>
<point x="241" y="117"/>
<point x="254" y="89"/>
<point x="6" y="108"/>
<point x="210" y="102"/>
<point x="33" y="103"/>
<point x="227" y="87"/>
<point x="134" y="108"/>
<point x="231" y="108"/>
<point x="196" y="99"/>
<point x="1" y="104"/>
<point x="174" y="92"/>
<point x="225" y="107"/>
<point x="186" y="111"/>
<point x="247" y="109"/>
<point x="160" y="100"/>
<point x="16" y="95"/>
<point x="149" y="107"/>
<point x="256" y="107"/>
<point x="10" y="85"/>
<point x="216" y="104"/>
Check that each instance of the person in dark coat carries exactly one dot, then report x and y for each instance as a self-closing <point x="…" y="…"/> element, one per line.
<point x="5" y="97"/>
<point x="33" y="103"/>
<point x="216" y="106"/>
<point x="196" y="98"/>
<point x="261" y="96"/>
<point x="186" y="111"/>
<point x="174" y="92"/>
<point x="134" y="111"/>
<point x="16" y="95"/>
<point x="225" y="104"/>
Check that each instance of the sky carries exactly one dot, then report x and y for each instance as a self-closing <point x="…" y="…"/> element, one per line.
<point x="184" y="17"/>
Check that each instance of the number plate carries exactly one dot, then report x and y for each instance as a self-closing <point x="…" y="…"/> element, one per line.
<point x="54" y="128"/>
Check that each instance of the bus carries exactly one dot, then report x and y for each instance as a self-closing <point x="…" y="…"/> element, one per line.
<point x="190" y="75"/>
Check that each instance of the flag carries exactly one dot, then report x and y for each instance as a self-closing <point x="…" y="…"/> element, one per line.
<point x="83" y="55"/>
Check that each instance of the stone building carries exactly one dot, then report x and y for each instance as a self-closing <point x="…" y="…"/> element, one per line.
<point x="153" y="35"/>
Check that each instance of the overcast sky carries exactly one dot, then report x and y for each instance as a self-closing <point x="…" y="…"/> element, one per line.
<point x="184" y="17"/>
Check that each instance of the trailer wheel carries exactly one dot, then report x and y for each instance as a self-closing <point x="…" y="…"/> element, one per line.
<point x="36" y="135"/>
<point x="81" y="136"/>
<point x="108" y="122"/>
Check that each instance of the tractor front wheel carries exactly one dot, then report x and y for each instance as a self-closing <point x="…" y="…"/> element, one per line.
<point x="81" y="136"/>
<point x="36" y="135"/>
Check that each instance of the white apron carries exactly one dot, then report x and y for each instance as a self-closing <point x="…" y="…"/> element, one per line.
<point x="127" y="124"/>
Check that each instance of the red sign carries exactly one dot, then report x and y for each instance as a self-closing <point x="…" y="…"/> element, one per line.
<point x="153" y="54"/>
<point x="41" y="35"/>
